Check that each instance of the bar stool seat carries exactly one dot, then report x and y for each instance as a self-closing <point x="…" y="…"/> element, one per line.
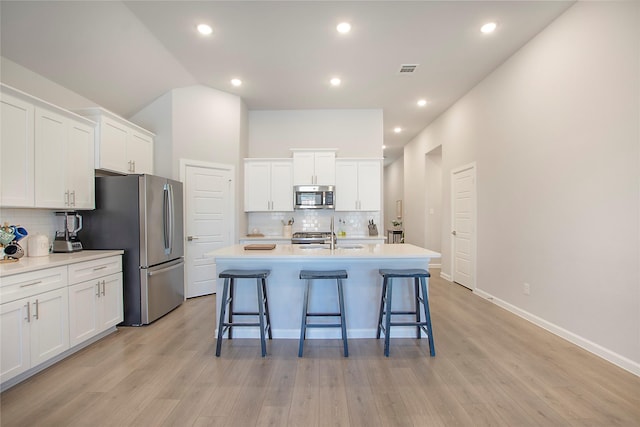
<point x="228" y="293"/>
<point x="419" y="277"/>
<point x="310" y="275"/>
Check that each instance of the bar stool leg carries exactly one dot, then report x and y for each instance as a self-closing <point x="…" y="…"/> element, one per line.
<point x="303" y="327"/>
<point x="223" y="307"/>
<point x="231" y="294"/>
<point x="263" y="343"/>
<point x="387" y="327"/>
<point x="343" y="323"/>
<point x="417" y="304"/>
<point x="382" y="300"/>
<point x="266" y="306"/>
<point x="427" y="316"/>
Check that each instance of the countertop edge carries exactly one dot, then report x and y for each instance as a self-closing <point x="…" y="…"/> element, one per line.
<point x="29" y="264"/>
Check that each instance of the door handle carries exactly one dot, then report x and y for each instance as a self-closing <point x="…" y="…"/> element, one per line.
<point x="454" y="232"/>
<point x="190" y="238"/>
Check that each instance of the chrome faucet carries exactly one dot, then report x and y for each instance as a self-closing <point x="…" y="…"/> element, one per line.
<point x="333" y="236"/>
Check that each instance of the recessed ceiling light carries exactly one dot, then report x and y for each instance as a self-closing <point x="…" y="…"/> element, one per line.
<point x="204" y="29"/>
<point x="236" y="82"/>
<point x="489" y="27"/>
<point x="422" y="102"/>
<point x="335" y="81"/>
<point x="397" y="129"/>
<point x="343" y="27"/>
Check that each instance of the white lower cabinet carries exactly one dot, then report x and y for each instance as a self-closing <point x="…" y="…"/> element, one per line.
<point x="94" y="306"/>
<point x="34" y="320"/>
<point x="95" y="297"/>
<point x="47" y="312"/>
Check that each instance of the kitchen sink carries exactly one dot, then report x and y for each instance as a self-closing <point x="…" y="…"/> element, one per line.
<point x="309" y="247"/>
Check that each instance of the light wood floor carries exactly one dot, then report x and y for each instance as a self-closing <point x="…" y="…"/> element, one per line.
<point x="491" y="368"/>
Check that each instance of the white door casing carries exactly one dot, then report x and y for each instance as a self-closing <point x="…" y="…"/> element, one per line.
<point x="463" y="220"/>
<point x="209" y="221"/>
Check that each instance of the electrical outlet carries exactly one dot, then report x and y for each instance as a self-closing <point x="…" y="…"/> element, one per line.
<point x="526" y="289"/>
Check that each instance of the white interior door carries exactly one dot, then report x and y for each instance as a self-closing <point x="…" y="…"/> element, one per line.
<point x="463" y="225"/>
<point x="209" y="223"/>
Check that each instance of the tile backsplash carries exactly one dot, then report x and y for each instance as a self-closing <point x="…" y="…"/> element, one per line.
<point x="355" y="224"/>
<point x="36" y="221"/>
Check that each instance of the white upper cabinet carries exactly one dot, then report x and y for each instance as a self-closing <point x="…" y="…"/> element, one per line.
<point x="314" y="167"/>
<point x="120" y="146"/>
<point x="268" y="185"/>
<point x="16" y="151"/>
<point x="64" y="177"/>
<point x="358" y="185"/>
<point x="46" y="154"/>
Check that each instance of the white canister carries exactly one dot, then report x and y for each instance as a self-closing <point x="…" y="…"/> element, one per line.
<point x="38" y="245"/>
<point x="286" y="231"/>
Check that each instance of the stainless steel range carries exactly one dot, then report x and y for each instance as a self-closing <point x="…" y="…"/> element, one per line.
<point x="311" y="237"/>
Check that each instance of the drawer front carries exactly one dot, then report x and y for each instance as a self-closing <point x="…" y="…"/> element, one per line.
<point x="89" y="270"/>
<point x="28" y="284"/>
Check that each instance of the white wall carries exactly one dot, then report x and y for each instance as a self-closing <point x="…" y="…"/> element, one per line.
<point x="198" y="123"/>
<point x="433" y="200"/>
<point x="19" y="77"/>
<point x="555" y="135"/>
<point x="356" y="133"/>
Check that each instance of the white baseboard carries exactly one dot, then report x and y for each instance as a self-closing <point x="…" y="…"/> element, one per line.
<point x="590" y="346"/>
<point x="445" y="276"/>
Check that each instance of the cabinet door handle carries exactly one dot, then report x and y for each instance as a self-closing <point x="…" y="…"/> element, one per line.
<point x="104" y="288"/>
<point x="66" y="198"/>
<point x="30" y="284"/>
<point x="100" y="268"/>
<point x="37" y="315"/>
<point x="134" y="166"/>
<point x="28" y="312"/>
<point x="98" y="289"/>
<point x="73" y="193"/>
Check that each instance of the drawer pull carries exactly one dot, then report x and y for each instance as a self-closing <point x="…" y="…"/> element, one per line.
<point x="31" y="284"/>
<point x="100" y="268"/>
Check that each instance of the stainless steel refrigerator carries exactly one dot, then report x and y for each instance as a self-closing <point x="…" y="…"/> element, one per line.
<point x="141" y="214"/>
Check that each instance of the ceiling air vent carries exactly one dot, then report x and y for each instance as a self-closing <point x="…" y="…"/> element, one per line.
<point x="408" y="68"/>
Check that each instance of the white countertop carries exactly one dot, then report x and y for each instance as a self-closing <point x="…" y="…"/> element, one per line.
<point x="286" y="252"/>
<point x="27" y="264"/>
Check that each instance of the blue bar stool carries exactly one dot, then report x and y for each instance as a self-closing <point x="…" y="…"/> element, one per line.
<point x="310" y="275"/>
<point x="230" y="276"/>
<point x="419" y="277"/>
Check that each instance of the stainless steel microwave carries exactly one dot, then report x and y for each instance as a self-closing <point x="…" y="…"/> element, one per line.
<point x="313" y="197"/>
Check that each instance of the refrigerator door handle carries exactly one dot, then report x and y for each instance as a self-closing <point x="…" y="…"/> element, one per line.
<point x="171" y="267"/>
<point x="165" y="218"/>
<point x="171" y="218"/>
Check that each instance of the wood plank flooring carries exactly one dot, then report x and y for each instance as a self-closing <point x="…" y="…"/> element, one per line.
<point x="491" y="369"/>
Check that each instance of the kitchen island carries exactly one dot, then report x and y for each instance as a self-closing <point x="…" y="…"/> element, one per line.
<point x="285" y="290"/>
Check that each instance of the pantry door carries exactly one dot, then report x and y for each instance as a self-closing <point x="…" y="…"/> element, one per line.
<point x="209" y="222"/>
<point x="463" y="189"/>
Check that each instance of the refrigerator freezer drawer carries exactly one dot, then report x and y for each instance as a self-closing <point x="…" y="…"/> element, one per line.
<point x="162" y="289"/>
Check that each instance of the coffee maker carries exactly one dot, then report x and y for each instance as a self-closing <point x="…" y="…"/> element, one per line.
<point x="69" y="223"/>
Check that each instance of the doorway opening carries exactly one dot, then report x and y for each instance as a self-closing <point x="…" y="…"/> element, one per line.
<point x="433" y="203"/>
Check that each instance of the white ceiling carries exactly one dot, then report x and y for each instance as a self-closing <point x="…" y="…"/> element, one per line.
<point x="123" y="55"/>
